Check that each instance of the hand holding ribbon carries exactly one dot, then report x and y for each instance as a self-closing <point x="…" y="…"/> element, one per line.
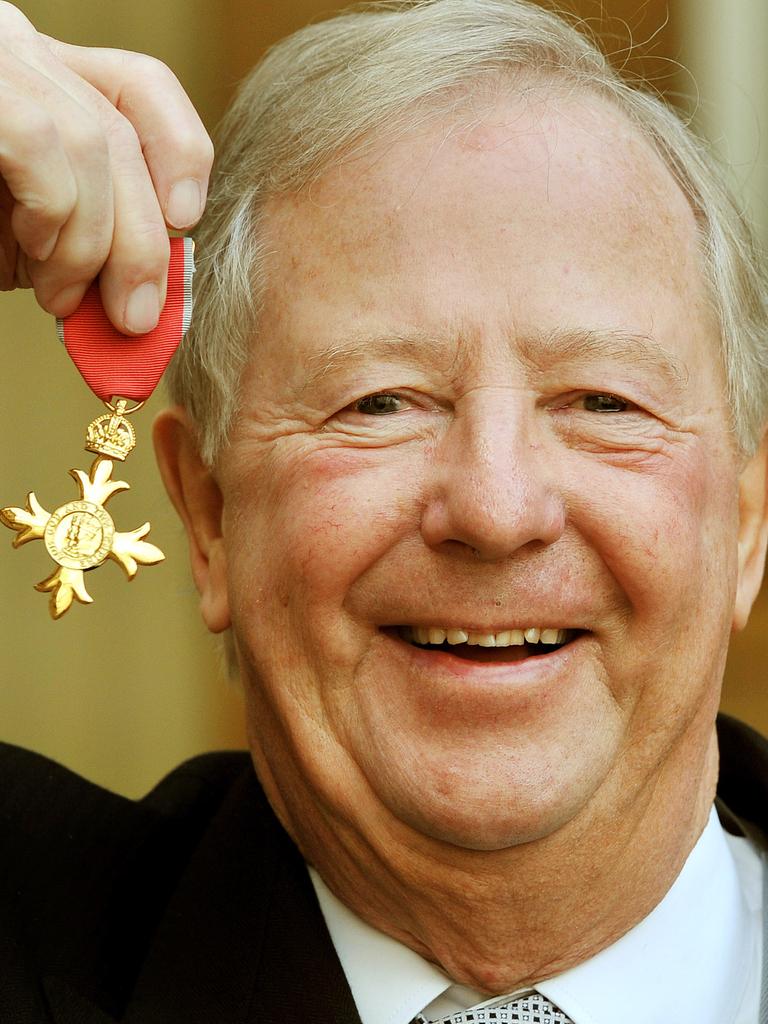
<point x="102" y="151"/>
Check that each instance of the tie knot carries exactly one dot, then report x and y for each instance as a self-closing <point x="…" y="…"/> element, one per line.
<point x="530" y="1009"/>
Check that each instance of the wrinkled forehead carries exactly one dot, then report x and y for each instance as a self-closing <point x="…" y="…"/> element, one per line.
<point x="563" y="150"/>
<point x="532" y="197"/>
<point x="541" y="157"/>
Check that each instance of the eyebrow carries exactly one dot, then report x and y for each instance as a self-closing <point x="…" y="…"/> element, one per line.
<point x="415" y="348"/>
<point x="539" y="352"/>
<point x="585" y="345"/>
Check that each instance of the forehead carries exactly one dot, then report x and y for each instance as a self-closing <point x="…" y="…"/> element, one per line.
<point x="543" y="211"/>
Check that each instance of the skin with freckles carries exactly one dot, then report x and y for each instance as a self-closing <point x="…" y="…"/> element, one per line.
<point x="486" y="395"/>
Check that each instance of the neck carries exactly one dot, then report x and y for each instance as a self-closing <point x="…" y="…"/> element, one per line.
<point x="501" y="920"/>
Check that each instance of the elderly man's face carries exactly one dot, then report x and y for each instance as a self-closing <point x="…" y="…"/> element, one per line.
<point x="486" y="399"/>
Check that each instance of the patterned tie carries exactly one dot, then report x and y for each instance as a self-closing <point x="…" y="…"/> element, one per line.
<point x="533" y="1009"/>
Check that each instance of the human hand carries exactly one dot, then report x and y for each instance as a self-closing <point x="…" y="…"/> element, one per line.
<point x="100" y="150"/>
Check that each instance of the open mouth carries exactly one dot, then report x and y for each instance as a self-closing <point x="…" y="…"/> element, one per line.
<point x="510" y="645"/>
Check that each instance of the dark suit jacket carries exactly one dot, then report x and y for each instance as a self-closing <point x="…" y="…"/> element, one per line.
<point x="191" y="906"/>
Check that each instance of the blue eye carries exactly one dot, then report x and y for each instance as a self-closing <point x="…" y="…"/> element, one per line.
<point x="604" y="403"/>
<point x="381" y="404"/>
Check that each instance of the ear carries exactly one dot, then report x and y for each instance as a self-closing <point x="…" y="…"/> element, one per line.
<point x="753" y="533"/>
<point x="197" y="498"/>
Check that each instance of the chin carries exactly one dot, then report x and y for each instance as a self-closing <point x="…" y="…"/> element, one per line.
<point x="497" y="820"/>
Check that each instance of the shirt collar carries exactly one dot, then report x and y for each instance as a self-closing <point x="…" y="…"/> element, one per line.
<point x="372" y="961"/>
<point x="689" y="959"/>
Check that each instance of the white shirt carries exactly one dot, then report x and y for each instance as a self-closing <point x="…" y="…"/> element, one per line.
<point x="696" y="957"/>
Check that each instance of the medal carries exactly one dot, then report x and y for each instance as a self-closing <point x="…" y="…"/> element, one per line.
<point x="81" y="535"/>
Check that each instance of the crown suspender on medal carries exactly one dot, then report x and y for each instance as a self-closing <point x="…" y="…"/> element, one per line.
<point x="81" y="535"/>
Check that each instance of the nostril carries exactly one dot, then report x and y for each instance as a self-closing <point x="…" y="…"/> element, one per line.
<point x="491" y="504"/>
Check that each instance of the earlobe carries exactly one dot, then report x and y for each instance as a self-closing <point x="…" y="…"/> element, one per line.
<point x="197" y="498"/>
<point x="753" y="533"/>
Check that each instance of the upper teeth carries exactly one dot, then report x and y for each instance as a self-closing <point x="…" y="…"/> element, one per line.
<point x="506" y="638"/>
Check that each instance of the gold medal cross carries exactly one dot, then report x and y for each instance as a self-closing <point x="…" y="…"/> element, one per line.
<point x="81" y="535"/>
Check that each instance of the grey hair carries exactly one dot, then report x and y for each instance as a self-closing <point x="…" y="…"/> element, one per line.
<point x="379" y="70"/>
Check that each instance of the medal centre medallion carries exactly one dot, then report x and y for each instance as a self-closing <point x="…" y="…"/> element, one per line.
<point x="79" y="535"/>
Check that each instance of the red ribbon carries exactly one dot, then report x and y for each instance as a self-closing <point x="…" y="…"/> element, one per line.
<point x="113" y="364"/>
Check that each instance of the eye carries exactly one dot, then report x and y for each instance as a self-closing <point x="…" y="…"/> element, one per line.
<point x="604" y="403"/>
<point x="381" y="404"/>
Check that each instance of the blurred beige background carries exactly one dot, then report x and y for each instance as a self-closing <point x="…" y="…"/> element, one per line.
<point x="125" y="689"/>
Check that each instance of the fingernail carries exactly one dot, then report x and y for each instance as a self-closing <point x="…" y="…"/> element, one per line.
<point x="185" y="203"/>
<point x="142" y="310"/>
<point x="44" y="249"/>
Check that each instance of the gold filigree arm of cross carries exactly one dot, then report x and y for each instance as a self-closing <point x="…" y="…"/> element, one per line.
<point x="80" y="536"/>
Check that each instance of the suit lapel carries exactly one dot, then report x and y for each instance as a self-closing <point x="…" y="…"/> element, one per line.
<point x="301" y="978"/>
<point x="743" y="782"/>
<point x="242" y="940"/>
<point x="25" y="1001"/>
<point x="68" y="1006"/>
<point x="743" y="806"/>
<point x="21" y="997"/>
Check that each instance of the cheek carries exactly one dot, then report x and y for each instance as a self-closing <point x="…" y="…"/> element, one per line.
<point x="668" y="537"/>
<point x="323" y="518"/>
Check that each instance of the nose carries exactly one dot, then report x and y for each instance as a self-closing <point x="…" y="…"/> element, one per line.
<point x="492" y="487"/>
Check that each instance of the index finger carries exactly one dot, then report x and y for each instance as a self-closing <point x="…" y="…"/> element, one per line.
<point x="174" y="141"/>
